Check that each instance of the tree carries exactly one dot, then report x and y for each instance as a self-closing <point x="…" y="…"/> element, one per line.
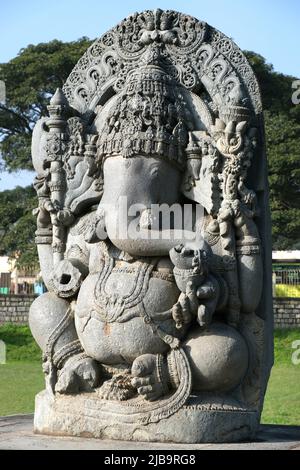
<point x="18" y="225"/>
<point x="276" y="88"/>
<point x="283" y="148"/>
<point x="31" y="78"/>
<point x="38" y="70"/>
<point x="282" y="119"/>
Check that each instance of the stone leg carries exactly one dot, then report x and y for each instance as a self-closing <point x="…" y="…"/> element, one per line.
<point x="218" y="357"/>
<point x="67" y="367"/>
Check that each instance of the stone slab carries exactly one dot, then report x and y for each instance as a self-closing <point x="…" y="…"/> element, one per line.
<point x="85" y="415"/>
<point x="16" y="432"/>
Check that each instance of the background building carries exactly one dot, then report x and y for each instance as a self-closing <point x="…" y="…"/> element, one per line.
<point x="19" y="282"/>
<point x="286" y="273"/>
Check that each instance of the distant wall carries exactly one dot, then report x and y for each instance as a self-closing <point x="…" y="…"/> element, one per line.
<point x="15" y="308"/>
<point x="286" y="312"/>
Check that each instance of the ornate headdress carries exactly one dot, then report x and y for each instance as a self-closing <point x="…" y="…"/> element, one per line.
<point x="149" y="118"/>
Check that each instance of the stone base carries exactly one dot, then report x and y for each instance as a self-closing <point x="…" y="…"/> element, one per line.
<point x="86" y="415"/>
<point x="16" y="433"/>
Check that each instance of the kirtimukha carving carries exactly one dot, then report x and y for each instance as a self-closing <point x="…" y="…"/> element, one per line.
<point x="151" y="332"/>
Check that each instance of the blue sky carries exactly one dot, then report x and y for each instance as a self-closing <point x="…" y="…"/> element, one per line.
<point x="269" y="27"/>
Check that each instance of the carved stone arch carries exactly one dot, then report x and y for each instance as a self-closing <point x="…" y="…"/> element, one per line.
<point x="198" y="57"/>
<point x="192" y="47"/>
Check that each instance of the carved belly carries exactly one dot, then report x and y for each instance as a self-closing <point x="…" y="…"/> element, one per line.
<point x="110" y="324"/>
<point x="118" y="343"/>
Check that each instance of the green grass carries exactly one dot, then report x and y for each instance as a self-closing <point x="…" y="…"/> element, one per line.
<point x="283" y="350"/>
<point x="282" y="401"/>
<point x="19" y="383"/>
<point x="20" y="345"/>
<point x="21" y="378"/>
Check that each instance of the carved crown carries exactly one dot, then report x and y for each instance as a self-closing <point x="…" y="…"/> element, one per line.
<point x="149" y="118"/>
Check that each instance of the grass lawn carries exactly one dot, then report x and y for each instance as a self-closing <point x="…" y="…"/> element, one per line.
<point x="21" y="378"/>
<point x="19" y="383"/>
<point x="282" y="401"/>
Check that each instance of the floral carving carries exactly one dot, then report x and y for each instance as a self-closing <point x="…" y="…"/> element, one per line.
<point x="187" y="46"/>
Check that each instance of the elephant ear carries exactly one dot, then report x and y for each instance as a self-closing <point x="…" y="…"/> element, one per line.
<point x="200" y="182"/>
<point x="83" y="172"/>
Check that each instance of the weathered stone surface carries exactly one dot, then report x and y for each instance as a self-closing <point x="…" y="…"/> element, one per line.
<point x="16" y="432"/>
<point x="84" y="415"/>
<point x="153" y="312"/>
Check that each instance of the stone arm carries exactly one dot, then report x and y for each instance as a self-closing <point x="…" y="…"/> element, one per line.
<point x="63" y="277"/>
<point x="43" y="240"/>
<point x="239" y="230"/>
<point x="249" y="259"/>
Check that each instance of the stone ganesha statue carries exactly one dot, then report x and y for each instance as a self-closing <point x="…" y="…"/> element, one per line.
<point x="145" y="330"/>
